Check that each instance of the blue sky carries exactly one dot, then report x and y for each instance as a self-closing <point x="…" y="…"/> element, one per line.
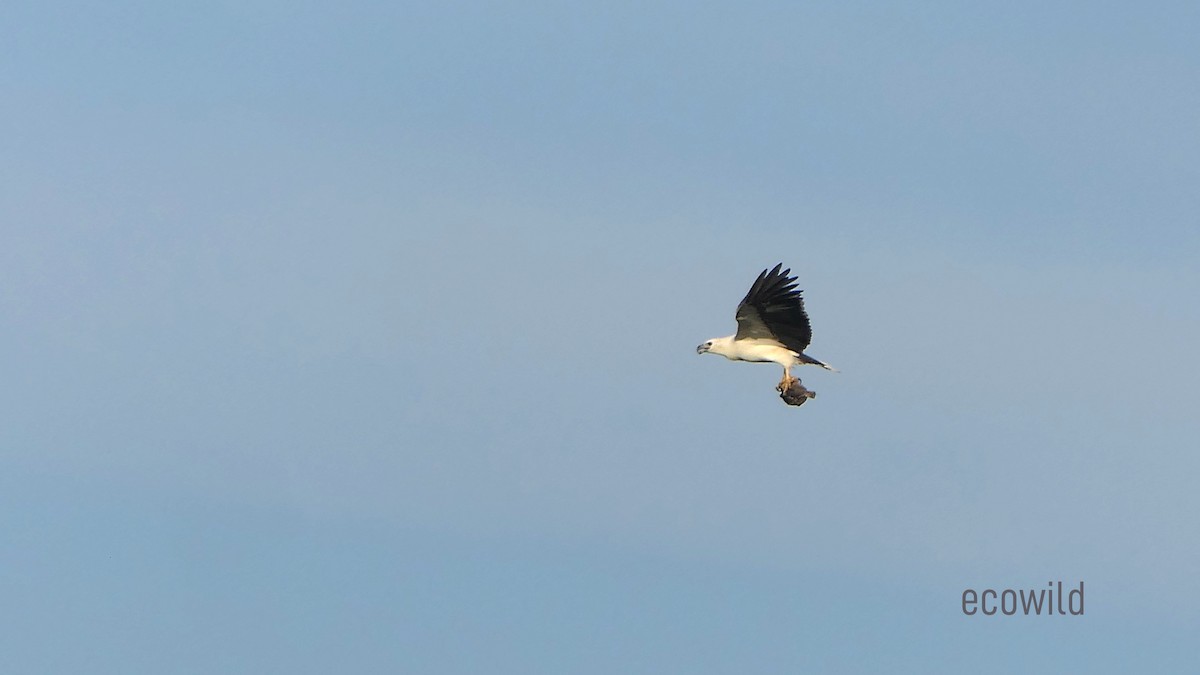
<point x="361" y="338"/>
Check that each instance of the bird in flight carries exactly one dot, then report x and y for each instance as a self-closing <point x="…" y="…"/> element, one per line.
<point x="772" y="327"/>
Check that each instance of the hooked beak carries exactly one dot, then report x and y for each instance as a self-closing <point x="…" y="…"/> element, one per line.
<point x="701" y="349"/>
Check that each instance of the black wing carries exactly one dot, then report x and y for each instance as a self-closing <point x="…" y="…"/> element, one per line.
<point x="774" y="309"/>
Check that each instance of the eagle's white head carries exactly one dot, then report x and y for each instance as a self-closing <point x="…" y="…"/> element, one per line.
<point x="721" y="345"/>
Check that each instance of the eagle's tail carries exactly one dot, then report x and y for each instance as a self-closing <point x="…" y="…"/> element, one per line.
<point x="805" y="358"/>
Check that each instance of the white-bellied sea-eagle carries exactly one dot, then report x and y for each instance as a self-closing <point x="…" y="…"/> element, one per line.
<point x="772" y="327"/>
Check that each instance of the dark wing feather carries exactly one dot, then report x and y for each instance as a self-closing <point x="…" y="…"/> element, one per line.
<point x="774" y="309"/>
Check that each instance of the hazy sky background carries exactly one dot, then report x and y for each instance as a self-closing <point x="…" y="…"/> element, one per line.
<point x="359" y="337"/>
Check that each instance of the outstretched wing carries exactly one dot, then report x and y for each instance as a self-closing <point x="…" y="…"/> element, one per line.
<point x="773" y="309"/>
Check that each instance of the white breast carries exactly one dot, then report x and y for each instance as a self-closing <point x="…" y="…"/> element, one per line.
<point x="763" y="351"/>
